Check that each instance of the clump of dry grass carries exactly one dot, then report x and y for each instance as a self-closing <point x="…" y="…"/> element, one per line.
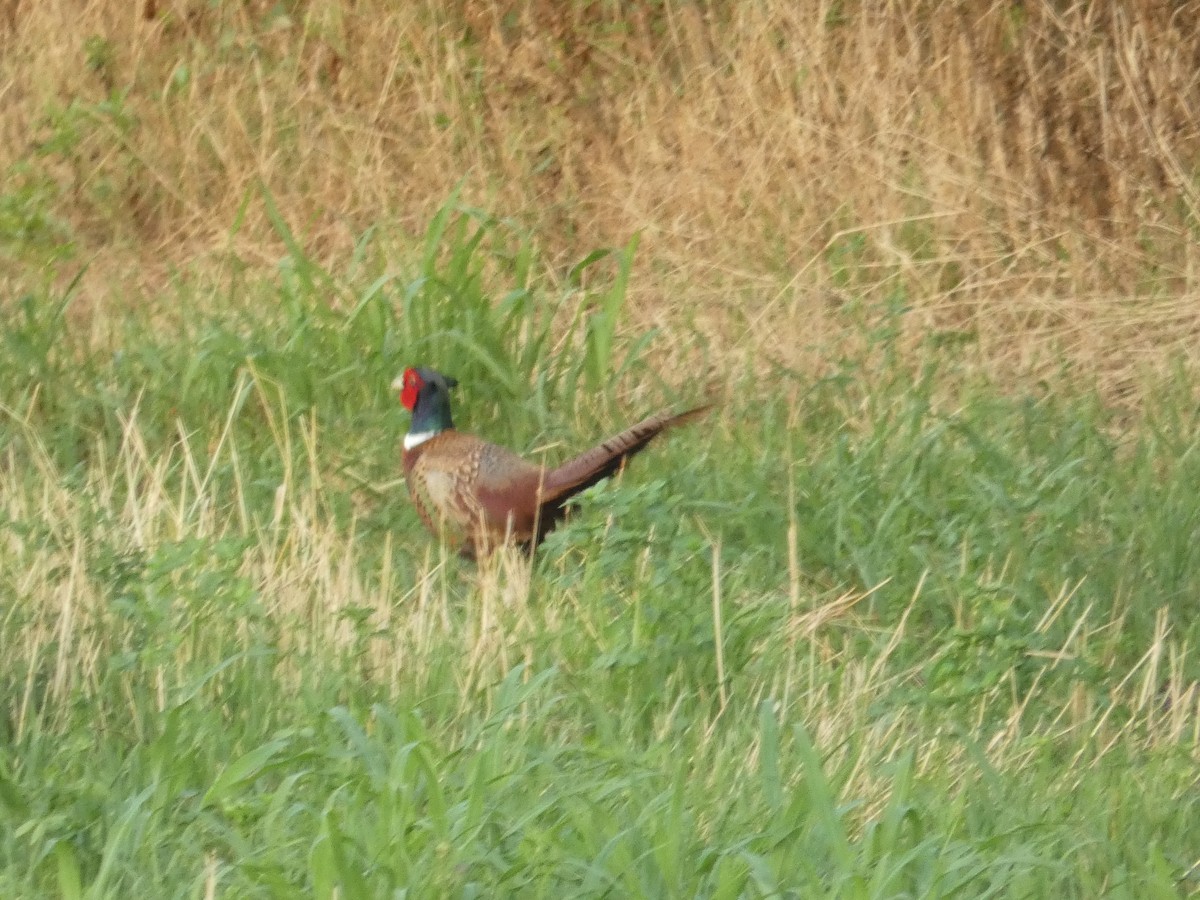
<point x="1023" y="176"/>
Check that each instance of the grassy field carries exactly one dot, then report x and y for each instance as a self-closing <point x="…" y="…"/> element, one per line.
<point x="912" y="614"/>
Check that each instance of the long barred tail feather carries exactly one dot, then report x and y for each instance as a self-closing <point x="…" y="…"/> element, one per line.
<point x="603" y="460"/>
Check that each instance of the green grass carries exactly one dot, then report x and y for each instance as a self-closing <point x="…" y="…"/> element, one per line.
<point x="902" y="637"/>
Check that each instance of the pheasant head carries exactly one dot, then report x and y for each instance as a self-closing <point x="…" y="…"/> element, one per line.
<point x="426" y="394"/>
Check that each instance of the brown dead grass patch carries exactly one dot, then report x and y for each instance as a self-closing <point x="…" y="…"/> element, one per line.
<point x="1023" y="177"/>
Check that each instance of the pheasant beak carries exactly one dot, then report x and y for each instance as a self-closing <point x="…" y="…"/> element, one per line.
<point x="403" y="392"/>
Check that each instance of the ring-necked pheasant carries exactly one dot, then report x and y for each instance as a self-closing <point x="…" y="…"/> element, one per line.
<point x="479" y="494"/>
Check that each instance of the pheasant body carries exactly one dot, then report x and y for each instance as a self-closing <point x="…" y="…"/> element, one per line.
<point x="479" y="495"/>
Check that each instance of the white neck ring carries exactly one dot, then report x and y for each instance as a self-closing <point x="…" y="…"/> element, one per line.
<point x="414" y="439"/>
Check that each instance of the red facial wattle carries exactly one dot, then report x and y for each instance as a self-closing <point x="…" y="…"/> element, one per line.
<point x="410" y="388"/>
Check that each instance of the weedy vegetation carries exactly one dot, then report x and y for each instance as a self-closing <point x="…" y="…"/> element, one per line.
<point x="913" y="614"/>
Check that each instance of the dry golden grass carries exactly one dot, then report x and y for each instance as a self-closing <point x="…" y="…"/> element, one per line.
<point x="1023" y="174"/>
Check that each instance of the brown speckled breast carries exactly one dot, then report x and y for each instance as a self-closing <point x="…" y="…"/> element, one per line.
<point x="471" y="491"/>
